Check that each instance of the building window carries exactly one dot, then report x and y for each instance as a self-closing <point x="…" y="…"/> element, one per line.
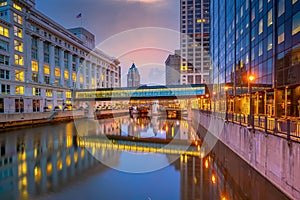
<point x="47" y="69"/>
<point x="57" y="72"/>
<point x="296" y="23"/>
<point x="34" y="66"/>
<point x="296" y="55"/>
<point x="17" y="18"/>
<point x="281" y="34"/>
<point x="3" y="3"/>
<point x="270" y="16"/>
<point x="270" y="43"/>
<point x="18" y="32"/>
<point x="1" y="109"/>
<point x="36" y="105"/>
<point x="4" y="31"/>
<point x="4" y="45"/>
<point x="49" y="93"/>
<point x="253" y="14"/>
<point x="74" y="76"/>
<point x="18" y="45"/>
<point x="36" y="91"/>
<point x="281" y="7"/>
<point x="66" y="74"/>
<point x="260" y="49"/>
<point x="4" y="74"/>
<point x="260" y="27"/>
<point x="47" y="79"/>
<point x="260" y="5"/>
<point x="59" y="94"/>
<point x="19" y="75"/>
<point x="34" y="77"/>
<point x="5" y="89"/>
<point x="68" y="95"/>
<point x="294" y="1"/>
<point x="16" y="6"/>
<point x="20" y="90"/>
<point x="4" y="60"/>
<point x="19" y="60"/>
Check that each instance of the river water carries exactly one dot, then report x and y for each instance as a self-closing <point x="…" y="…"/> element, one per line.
<point x="52" y="162"/>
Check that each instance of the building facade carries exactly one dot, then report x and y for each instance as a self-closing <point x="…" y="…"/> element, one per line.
<point x="259" y="38"/>
<point x="173" y="69"/>
<point x="194" y="41"/>
<point x="41" y="61"/>
<point x="133" y="76"/>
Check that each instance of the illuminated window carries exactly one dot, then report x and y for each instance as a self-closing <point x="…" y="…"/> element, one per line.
<point x="296" y="23"/>
<point x="69" y="95"/>
<point x="19" y="59"/>
<point x="270" y="43"/>
<point x="66" y="74"/>
<point x="260" y="5"/>
<point x="46" y="69"/>
<point x="81" y="78"/>
<point x="294" y="1"/>
<point x="270" y="20"/>
<point x="260" y="27"/>
<point x="34" y="66"/>
<point x="57" y="72"/>
<point x="18" y="32"/>
<point x="49" y="93"/>
<point x="18" y="45"/>
<point x="4" y="31"/>
<point x="16" y="6"/>
<point x="281" y="34"/>
<point x="19" y="75"/>
<point x="36" y="91"/>
<point x="18" y="18"/>
<point x="3" y="3"/>
<point x="281" y="7"/>
<point x="260" y="51"/>
<point x="20" y="90"/>
<point x="74" y="76"/>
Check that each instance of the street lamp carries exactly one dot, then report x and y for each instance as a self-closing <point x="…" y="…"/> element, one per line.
<point x="251" y="78"/>
<point x="226" y="103"/>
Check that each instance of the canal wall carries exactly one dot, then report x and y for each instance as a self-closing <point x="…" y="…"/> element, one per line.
<point x="26" y="119"/>
<point x="274" y="157"/>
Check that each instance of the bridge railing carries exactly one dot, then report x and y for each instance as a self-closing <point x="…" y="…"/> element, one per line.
<point x="288" y="128"/>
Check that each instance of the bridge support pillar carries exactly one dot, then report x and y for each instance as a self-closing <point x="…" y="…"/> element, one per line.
<point x="91" y="113"/>
<point x="155" y="106"/>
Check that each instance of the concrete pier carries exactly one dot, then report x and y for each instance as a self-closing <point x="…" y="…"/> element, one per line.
<point x="272" y="156"/>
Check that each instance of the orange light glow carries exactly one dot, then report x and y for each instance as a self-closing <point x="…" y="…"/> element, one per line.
<point x="206" y="164"/>
<point x="226" y="88"/>
<point x="213" y="179"/>
<point x="251" y="78"/>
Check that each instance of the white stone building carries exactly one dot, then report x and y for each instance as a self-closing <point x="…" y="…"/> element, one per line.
<point x="41" y="61"/>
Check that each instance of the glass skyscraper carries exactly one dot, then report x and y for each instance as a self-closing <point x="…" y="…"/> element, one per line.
<point x="194" y="28"/>
<point x="260" y="38"/>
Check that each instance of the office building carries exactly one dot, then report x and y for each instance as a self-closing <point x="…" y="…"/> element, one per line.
<point x="259" y="38"/>
<point x="41" y="61"/>
<point x="172" y="64"/>
<point x="133" y="76"/>
<point x="194" y="41"/>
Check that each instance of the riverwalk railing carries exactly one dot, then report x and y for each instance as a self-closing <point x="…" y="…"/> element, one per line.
<point x="288" y="128"/>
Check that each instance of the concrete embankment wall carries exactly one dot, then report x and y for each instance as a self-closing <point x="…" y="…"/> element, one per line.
<point x="25" y="119"/>
<point x="274" y="157"/>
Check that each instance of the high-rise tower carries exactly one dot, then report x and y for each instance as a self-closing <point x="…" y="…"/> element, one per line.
<point x="194" y="28"/>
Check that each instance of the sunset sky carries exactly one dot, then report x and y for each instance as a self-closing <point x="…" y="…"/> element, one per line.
<point x="122" y="29"/>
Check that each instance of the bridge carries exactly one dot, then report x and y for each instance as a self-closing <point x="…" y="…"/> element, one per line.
<point x="142" y="92"/>
<point x="145" y="145"/>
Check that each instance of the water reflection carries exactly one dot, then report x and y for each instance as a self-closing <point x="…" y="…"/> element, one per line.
<point x="46" y="163"/>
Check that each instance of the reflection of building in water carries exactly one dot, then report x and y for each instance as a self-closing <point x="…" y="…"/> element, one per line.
<point x="32" y="164"/>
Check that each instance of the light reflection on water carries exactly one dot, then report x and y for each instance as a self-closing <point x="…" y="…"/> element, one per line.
<point x="45" y="163"/>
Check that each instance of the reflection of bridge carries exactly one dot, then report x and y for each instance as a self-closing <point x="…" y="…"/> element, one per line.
<point x="143" y="92"/>
<point x="145" y="145"/>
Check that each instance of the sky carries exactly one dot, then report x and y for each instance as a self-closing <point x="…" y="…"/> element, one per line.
<point x="141" y="31"/>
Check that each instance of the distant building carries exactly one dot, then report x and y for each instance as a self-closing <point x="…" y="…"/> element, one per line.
<point x="173" y="69"/>
<point x="133" y="76"/>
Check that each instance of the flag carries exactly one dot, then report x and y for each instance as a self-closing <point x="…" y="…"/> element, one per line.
<point x="78" y="16"/>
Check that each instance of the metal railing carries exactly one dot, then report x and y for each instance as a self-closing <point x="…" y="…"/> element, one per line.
<point x="288" y="128"/>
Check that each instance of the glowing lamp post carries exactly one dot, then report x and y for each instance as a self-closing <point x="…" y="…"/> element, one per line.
<point x="226" y="103"/>
<point x="251" y="79"/>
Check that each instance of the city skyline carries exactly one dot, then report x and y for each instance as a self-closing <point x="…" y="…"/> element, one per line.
<point x="119" y="16"/>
